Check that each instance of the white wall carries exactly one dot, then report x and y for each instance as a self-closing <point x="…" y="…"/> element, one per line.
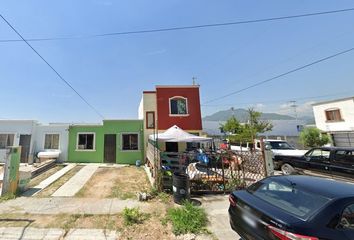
<point x="346" y="108"/>
<point x="62" y="130"/>
<point x="148" y="103"/>
<point x="18" y="127"/>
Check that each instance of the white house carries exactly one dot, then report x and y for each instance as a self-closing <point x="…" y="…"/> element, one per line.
<point x="53" y="137"/>
<point x="33" y="137"/>
<point x="336" y="117"/>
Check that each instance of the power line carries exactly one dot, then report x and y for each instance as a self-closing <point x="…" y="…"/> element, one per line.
<point x="277" y="101"/>
<point x="55" y="71"/>
<point x="183" y="27"/>
<point x="281" y="75"/>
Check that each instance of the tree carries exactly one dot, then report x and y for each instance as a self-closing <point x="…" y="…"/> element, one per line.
<point x="312" y="137"/>
<point x="246" y="132"/>
<point x="232" y="126"/>
<point x="255" y="125"/>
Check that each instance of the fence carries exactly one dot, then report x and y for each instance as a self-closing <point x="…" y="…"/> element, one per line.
<point x="221" y="171"/>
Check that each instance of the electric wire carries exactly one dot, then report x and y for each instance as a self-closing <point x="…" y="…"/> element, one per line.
<point x="51" y="67"/>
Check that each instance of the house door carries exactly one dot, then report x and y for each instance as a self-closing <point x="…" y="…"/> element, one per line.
<point x="110" y="148"/>
<point x="25" y="143"/>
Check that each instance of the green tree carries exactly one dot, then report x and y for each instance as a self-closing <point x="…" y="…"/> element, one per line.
<point x="312" y="137"/>
<point x="232" y="126"/>
<point x="256" y="125"/>
<point x="246" y="132"/>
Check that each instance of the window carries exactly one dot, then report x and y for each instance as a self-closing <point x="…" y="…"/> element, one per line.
<point x="130" y="141"/>
<point x="333" y="115"/>
<point x="6" y="140"/>
<point x="86" y="141"/>
<point x="319" y="155"/>
<point x="347" y="219"/>
<point x="344" y="156"/>
<point x="150" y="120"/>
<point x="178" y="106"/>
<point x="51" y="141"/>
<point x="288" y="197"/>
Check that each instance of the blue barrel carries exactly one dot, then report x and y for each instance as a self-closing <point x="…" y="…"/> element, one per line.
<point x="137" y="163"/>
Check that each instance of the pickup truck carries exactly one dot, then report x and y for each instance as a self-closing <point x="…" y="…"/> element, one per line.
<point x="279" y="147"/>
<point x="332" y="161"/>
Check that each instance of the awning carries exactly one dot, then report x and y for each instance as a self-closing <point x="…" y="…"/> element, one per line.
<point x="176" y="134"/>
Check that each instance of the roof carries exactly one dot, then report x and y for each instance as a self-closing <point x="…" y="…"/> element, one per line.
<point x="323" y="186"/>
<point x="177" y="86"/>
<point x="335" y="100"/>
<point x="338" y="148"/>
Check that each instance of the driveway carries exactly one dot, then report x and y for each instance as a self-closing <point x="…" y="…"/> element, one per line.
<point x="217" y="208"/>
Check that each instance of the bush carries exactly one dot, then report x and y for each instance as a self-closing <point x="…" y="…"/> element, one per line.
<point x="133" y="216"/>
<point x="187" y="219"/>
<point x="312" y="137"/>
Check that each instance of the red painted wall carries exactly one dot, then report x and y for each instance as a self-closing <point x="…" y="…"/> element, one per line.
<point x="165" y="121"/>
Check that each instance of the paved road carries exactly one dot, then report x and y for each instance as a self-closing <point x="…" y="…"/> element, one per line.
<point x="217" y="209"/>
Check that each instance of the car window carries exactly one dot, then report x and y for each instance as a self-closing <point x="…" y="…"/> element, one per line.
<point x="347" y="218"/>
<point x="319" y="155"/>
<point x="288" y="197"/>
<point x="280" y="145"/>
<point x="344" y="156"/>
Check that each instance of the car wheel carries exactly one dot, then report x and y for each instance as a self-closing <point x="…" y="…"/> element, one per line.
<point x="287" y="169"/>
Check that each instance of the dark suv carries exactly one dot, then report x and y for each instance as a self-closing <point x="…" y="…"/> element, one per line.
<point x="325" y="160"/>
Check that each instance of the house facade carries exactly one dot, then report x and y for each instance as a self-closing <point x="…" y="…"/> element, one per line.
<point x="171" y="105"/>
<point x="33" y="137"/>
<point x="113" y="141"/>
<point x="336" y="117"/>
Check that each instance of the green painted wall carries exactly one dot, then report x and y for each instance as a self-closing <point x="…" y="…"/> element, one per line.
<point x="109" y="127"/>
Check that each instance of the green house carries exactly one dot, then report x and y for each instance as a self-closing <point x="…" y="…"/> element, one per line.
<point x="114" y="141"/>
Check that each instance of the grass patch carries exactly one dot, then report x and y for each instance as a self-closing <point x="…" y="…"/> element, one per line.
<point x="47" y="192"/>
<point x="118" y="193"/>
<point x="133" y="216"/>
<point x="8" y="196"/>
<point x="187" y="219"/>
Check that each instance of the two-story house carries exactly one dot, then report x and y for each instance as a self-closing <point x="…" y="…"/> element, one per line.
<point x="171" y="105"/>
<point x="336" y="117"/>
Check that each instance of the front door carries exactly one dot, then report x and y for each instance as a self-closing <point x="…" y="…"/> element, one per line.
<point x="110" y="148"/>
<point x="25" y="143"/>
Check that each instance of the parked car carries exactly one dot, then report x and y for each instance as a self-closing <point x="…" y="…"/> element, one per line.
<point x="294" y="208"/>
<point x="325" y="160"/>
<point x="279" y="147"/>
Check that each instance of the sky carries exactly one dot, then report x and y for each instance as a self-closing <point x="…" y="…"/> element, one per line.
<point x="111" y="72"/>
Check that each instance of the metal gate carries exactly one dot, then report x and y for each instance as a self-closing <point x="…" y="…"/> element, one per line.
<point x="222" y="171"/>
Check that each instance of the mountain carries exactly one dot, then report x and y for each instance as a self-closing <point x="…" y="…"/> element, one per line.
<point x="242" y="115"/>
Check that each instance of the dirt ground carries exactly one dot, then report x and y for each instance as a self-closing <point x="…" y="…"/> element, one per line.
<point x="120" y="183"/>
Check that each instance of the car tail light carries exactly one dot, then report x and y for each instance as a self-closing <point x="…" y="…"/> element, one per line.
<point x="284" y="235"/>
<point x="232" y="200"/>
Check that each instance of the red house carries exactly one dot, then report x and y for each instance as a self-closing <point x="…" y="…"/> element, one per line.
<point x="168" y="106"/>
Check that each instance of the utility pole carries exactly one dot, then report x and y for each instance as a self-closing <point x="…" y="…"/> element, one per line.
<point x="293" y="105"/>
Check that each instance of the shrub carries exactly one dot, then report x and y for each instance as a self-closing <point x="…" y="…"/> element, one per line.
<point x="133" y="216"/>
<point x="187" y="219"/>
<point x="312" y="137"/>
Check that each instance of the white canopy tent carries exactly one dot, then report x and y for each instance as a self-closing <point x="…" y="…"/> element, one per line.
<point x="176" y="134"/>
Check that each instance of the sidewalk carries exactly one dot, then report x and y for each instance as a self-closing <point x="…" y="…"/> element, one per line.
<point x="217" y="207"/>
<point x="71" y="187"/>
<point x="55" y="234"/>
<point x="59" y="205"/>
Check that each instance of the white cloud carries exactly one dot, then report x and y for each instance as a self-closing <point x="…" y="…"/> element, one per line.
<point x="302" y="109"/>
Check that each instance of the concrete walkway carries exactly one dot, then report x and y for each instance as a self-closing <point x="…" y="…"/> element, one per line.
<point x="71" y="187"/>
<point x="55" y="234"/>
<point x="45" y="183"/>
<point x="67" y="205"/>
<point x="217" y="207"/>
